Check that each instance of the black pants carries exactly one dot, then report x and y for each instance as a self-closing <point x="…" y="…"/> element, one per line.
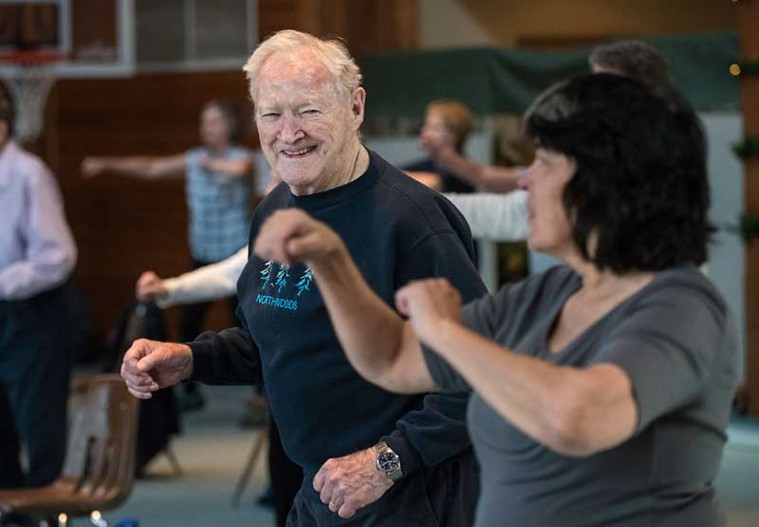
<point x="441" y="496"/>
<point x="34" y="386"/>
<point x="286" y="476"/>
<point x="191" y="320"/>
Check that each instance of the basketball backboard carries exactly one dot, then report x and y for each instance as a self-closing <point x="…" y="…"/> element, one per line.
<point x="94" y="38"/>
<point x="117" y="38"/>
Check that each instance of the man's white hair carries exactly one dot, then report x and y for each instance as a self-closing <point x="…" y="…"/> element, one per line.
<point x="346" y="76"/>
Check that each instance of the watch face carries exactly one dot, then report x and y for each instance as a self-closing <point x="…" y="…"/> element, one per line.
<point x="388" y="461"/>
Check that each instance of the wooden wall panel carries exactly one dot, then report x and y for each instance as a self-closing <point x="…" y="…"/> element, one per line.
<point x="366" y="25"/>
<point x="124" y="226"/>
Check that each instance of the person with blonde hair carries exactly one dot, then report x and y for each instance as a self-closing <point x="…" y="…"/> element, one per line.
<point x="369" y="457"/>
<point x="446" y="122"/>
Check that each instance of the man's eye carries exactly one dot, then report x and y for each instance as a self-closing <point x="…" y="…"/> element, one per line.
<point x="310" y="111"/>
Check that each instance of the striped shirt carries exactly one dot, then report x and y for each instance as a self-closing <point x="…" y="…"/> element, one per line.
<point x="219" y="206"/>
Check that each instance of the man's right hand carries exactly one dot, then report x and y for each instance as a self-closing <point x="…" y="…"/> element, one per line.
<point x="150" y="287"/>
<point x="150" y="365"/>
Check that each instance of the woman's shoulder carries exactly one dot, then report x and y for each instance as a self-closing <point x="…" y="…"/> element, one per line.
<point x="539" y="291"/>
<point x="552" y="282"/>
<point x="680" y="295"/>
<point x="687" y="281"/>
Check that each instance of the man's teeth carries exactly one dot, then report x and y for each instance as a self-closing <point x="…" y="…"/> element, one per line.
<point x="300" y="152"/>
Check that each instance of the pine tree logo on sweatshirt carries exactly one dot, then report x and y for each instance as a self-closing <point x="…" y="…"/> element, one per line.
<point x="304" y="284"/>
<point x="265" y="274"/>
<point x="282" y="275"/>
<point x="278" y="277"/>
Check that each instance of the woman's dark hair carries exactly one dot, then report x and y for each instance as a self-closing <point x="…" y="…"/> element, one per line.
<point x="639" y="198"/>
<point x="231" y="114"/>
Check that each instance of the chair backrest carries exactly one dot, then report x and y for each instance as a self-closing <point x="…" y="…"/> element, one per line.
<point x="102" y="441"/>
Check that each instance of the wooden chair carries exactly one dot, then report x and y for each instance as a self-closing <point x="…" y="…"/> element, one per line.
<point x="258" y="445"/>
<point x="98" y="472"/>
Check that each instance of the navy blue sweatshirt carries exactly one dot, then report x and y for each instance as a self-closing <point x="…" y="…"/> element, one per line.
<point x="396" y="230"/>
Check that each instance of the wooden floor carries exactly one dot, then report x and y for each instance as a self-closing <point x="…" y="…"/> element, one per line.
<point x="213" y="449"/>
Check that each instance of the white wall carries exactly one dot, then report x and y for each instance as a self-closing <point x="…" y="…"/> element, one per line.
<point x="727" y="264"/>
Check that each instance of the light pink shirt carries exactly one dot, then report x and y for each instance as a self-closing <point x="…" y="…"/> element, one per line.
<point x="37" y="250"/>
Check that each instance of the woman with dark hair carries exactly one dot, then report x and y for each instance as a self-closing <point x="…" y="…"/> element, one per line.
<point x="602" y="387"/>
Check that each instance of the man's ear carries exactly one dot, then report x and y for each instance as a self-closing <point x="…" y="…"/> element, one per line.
<point x="358" y="102"/>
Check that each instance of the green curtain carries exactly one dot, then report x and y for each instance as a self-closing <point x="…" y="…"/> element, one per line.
<point x="492" y="81"/>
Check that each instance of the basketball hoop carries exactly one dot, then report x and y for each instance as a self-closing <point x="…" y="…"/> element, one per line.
<point x="28" y="77"/>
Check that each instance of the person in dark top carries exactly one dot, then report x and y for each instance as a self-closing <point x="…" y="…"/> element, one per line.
<point x="369" y="457"/>
<point x="602" y="387"/>
<point x="446" y="122"/>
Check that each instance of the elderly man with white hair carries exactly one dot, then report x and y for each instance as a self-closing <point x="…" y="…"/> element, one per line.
<point x="369" y="457"/>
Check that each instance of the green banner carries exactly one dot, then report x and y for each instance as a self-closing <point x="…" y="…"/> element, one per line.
<point x="492" y="81"/>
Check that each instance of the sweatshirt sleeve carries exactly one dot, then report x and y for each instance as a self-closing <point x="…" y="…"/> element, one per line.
<point x="227" y="357"/>
<point x="497" y="217"/>
<point x="437" y="431"/>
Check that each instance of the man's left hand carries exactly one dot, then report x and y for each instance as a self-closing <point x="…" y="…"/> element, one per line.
<point x="351" y="482"/>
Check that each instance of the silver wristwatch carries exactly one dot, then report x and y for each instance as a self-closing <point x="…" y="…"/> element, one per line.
<point x="388" y="461"/>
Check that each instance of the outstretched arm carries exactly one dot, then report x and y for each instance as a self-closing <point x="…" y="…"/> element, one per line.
<point x="238" y="167"/>
<point x="497" y="217"/>
<point x="227" y="357"/>
<point x="141" y="167"/>
<point x="572" y="411"/>
<point x="491" y="177"/>
<point x="210" y="282"/>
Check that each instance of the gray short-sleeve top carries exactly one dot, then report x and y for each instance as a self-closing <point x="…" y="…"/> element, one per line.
<point x="676" y="341"/>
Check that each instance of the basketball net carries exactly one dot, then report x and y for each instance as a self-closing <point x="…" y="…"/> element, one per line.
<point x="28" y="81"/>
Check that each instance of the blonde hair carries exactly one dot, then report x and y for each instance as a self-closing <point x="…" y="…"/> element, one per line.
<point x="456" y="117"/>
<point x="332" y="53"/>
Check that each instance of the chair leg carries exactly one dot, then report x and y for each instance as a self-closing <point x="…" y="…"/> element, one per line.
<point x="174" y="462"/>
<point x="255" y="452"/>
